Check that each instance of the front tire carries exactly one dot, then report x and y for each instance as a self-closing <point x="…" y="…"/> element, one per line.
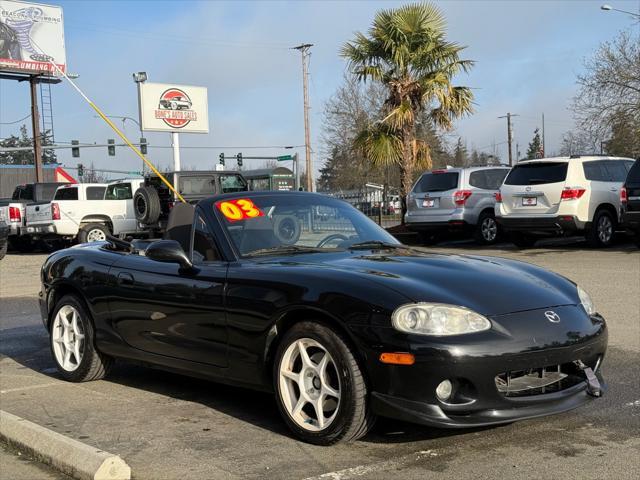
<point x="72" y="339"/>
<point x="320" y="390"/>
<point x="600" y="235"/>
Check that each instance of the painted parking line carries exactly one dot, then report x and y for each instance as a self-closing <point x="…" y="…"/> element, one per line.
<point x="30" y="387"/>
<point x="365" y="470"/>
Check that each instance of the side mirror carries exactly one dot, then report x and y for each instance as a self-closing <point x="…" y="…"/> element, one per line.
<point x="169" y="251"/>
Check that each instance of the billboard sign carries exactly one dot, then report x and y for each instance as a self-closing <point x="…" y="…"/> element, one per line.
<point x="31" y="36"/>
<point x="167" y="107"/>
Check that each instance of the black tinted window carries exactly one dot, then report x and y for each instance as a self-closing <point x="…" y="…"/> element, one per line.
<point x="204" y="248"/>
<point x="634" y="174"/>
<point x="537" y="173"/>
<point x="119" y="191"/>
<point x="595" y="171"/>
<point x="95" y="193"/>
<point x="67" y="194"/>
<point x="488" y="179"/>
<point x="616" y="170"/>
<point x="437" y="182"/>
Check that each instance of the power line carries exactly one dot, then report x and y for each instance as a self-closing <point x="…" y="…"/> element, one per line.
<point x="16" y="121"/>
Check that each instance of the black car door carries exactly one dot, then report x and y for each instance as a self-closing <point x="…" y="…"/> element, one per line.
<point x="163" y="311"/>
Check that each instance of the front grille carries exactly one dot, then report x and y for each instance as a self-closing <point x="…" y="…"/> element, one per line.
<point x="538" y="381"/>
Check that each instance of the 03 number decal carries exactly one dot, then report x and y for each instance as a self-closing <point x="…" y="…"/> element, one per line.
<point x="240" y="209"/>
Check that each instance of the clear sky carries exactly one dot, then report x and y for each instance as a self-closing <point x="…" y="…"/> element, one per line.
<point x="527" y="52"/>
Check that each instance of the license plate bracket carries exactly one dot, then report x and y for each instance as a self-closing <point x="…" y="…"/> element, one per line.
<point x="428" y="203"/>
<point x="529" y="201"/>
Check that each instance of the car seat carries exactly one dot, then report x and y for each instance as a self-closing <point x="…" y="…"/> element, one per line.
<point x="180" y="225"/>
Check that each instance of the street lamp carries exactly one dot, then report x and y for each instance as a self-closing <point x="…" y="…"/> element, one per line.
<point x="607" y="8"/>
<point x="139" y="78"/>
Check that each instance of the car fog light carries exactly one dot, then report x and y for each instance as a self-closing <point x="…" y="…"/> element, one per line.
<point x="444" y="390"/>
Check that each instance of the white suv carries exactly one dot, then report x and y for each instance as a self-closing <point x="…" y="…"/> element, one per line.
<point x="562" y="196"/>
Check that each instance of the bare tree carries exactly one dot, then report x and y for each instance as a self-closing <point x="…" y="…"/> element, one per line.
<point x="610" y="87"/>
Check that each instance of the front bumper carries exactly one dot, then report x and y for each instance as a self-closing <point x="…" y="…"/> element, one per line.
<point x="472" y="363"/>
<point x="545" y="225"/>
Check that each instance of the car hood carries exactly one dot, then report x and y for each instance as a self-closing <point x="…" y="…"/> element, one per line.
<point x="488" y="285"/>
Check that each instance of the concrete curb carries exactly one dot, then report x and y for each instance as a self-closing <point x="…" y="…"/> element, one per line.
<point x="71" y="457"/>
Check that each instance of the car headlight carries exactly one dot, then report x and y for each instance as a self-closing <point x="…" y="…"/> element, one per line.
<point x="586" y="301"/>
<point x="438" y="319"/>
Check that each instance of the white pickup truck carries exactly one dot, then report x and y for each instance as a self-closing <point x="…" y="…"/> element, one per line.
<point x="87" y="212"/>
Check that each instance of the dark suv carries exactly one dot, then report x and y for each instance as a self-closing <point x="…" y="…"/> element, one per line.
<point x="630" y="200"/>
<point x="153" y="201"/>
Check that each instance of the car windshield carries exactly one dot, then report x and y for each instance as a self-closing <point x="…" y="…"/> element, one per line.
<point x="297" y="223"/>
<point x="437" y="182"/>
<point x="537" y="173"/>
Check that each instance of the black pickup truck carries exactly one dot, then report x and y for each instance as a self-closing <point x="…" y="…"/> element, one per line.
<point x="153" y="201"/>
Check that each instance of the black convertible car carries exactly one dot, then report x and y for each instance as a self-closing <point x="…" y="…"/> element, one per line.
<point x="301" y="294"/>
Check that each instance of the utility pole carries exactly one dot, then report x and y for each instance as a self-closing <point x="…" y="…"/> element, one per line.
<point x="35" y="126"/>
<point x="304" y="50"/>
<point x="509" y="135"/>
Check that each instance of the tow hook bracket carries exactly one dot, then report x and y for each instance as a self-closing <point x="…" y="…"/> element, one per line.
<point x="593" y="384"/>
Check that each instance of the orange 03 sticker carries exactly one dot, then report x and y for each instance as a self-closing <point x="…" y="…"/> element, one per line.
<point x="240" y="209"/>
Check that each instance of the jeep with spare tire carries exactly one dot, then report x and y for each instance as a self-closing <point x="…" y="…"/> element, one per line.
<point x="153" y="201"/>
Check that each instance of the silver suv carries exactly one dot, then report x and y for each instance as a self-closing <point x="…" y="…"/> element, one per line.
<point x="456" y="199"/>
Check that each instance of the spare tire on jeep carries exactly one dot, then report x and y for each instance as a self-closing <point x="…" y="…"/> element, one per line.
<point x="146" y="205"/>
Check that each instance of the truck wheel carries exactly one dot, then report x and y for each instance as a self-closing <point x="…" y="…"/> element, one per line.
<point x="286" y="229"/>
<point x="487" y="231"/>
<point x="22" y="244"/>
<point x="73" y="343"/>
<point x="602" y="229"/>
<point x="93" y="232"/>
<point x="320" y="389"/>
<point x="3" y="250"/>
<point x="146" y="204"/>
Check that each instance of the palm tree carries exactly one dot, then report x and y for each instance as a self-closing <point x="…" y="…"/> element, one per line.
<point x="407" y="51"/>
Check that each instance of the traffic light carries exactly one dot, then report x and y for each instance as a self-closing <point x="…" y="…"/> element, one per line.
<point x="239" y="159"/>
<point x="143" y="146"/>
<point x="221" y="159"/>
<point x="111" y="148"/>
<point x="75" y="151"/>
<point x="80" y="170"/>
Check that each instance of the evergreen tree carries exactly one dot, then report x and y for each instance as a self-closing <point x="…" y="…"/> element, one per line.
<point x="460" y="154"/>
<point x="535" y="147"/>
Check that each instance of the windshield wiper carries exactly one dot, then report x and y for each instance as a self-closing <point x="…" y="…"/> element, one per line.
<point x="371" y="244"/>
<point x="284" y="249"/>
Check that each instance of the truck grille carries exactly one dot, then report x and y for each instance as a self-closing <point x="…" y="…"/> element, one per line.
<point x="538" y="381"/>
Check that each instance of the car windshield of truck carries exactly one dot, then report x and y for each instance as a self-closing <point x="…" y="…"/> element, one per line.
<point x="437" y="182"/>
<point x="291" y="224"/>
<point x="232" y="183"/>
<point x="537" y="173"/>
<point x="119" y="191"/>
<point x="67" y="193"/>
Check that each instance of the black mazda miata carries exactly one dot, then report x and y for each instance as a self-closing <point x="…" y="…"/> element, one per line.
<point x="302" y="295"/>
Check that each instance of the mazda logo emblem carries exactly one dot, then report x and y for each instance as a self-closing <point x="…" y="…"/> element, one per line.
<point x="552" y="316"/>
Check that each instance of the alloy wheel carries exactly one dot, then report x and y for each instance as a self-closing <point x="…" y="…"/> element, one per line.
<point x="68" y="338"/>
<point x="309" y="384"/>
<point x="489" y="229"/>
<point x="605" y="229"/>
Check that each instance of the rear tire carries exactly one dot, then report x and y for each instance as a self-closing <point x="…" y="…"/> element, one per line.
<point x="522" y="240"/>
<point x="487" y="231"/>
<point x="93" y="232"/>
<point x="602" y="230"/>
<point x="338" y="389"/>
<point x="71" y="323"/>
<point x="3" y="250"/>
<point x="22" y="244"/>
<point x="146" y="205"/>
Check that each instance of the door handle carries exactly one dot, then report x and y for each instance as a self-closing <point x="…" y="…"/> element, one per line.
<point x="614" y="189"/>
<point x="125" y="278"/>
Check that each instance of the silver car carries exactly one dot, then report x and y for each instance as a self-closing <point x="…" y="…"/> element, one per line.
<point x="456" y="199"/>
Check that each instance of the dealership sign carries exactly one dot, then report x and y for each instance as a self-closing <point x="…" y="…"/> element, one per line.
<point x="31" y="38"/>
<point x="174" y="108"/>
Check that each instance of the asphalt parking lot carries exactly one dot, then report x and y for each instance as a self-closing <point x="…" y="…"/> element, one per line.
<point x="167" y="426"/>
